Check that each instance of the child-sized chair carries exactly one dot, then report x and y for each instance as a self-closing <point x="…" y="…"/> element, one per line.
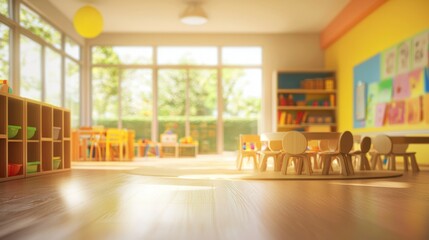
<point x="274" y="150"/>
<point x="345" y="144"/>
<point x="294" y="146"/>
<point x="365" y="145"/>
<point x="116" y="139"/>
<point x="245" y="149"/>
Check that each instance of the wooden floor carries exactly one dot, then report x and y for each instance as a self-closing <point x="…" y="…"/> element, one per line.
<point x="113" y="204"/>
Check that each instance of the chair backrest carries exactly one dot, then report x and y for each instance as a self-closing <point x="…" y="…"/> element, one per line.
<point x="294" y="142"/>
<point x="115" y="136"/>
<point x="345" y="142"/>
<point x="274" y="140"/>
<point x="365" y="144"/>
<point x="249" y="139"/>
<point x="328" y="145"/>
<point x="168" y="138"/>
<point x="399" y="148"/>
<point x="383" y="144"/>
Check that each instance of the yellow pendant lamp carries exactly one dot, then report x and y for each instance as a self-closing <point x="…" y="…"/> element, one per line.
<point x="88" y="22"/>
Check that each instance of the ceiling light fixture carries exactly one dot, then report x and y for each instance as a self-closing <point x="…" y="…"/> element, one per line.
<point x="88" y="22"/>
<point x="194" y="15"/>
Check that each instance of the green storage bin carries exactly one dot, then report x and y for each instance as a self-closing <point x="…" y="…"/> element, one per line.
<point x="32" y="167"/>
<point x="30" y="132"/>
<point x="56" y="162"/>
<point x="12" y="131"/>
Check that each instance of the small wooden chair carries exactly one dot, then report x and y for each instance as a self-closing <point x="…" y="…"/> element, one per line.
<point x="360" y="155"/>
<point x="97" y="142"/>
<point x="274" y="150"/>
<point x="345" y="144"/>
<point x="116" y="139"/>
<point x="384" y="147"/>
<point x="245" y="140"/>
<point x="294" y="146"/>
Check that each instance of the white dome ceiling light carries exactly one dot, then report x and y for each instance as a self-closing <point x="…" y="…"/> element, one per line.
<point x="194" y="15"/>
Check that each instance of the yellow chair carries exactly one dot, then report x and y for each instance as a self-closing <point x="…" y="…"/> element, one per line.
<point x="244" y="149"/>
<point x="116" y="139"/>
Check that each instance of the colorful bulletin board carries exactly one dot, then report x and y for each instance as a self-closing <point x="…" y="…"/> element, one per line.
<point x="392" y="87"/>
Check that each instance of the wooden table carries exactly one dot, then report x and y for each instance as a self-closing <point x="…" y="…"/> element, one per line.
<point x="321" y="135"/>
<point x="409" y="139"/>
<point x="79" y="148"/>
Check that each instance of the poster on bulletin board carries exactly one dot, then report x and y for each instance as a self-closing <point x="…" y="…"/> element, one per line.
<point x="392" y="87"/>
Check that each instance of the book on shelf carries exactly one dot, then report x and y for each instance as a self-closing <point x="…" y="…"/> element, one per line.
<point x="282" y="120"/>
<point x="332" y="99"/>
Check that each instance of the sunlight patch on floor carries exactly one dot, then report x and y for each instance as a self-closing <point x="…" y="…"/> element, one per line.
<point x="381" y="184"/>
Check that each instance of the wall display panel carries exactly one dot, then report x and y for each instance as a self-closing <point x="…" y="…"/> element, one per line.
<point x="396" y="83"/>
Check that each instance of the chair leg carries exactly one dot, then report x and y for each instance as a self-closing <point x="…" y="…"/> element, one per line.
<point x="285" y="164"/>
<point x="326" y="163"/>
<point x="393" y="164"/>
<point x="414" y="164"/>
<point x="308" y="164"/>
<point x="263" y="164"/>
<point x="365" y="161"/>
<point x="405" y="163"/>
<point x="255" y="163"/>
<point x="237" y="161"/>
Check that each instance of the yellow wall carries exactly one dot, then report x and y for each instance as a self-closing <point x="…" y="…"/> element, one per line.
<point x="394" y="21"/>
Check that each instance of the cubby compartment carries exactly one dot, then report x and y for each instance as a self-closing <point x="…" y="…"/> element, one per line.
<point x="46" y="156"/>
<point x="58" y="123"/>
<point x="33" y="152"/>
<point x="15" y="154"/>
<point x="67" y="125"/>
<point x="3" y="157"/>
<point x="58" y="155"/>
<point x="67" y="154"/>
<point x="3" y="127"/>
<point x="15" y="117"/>
<point x="33" y="121"/>
<point x="47" y="122"/>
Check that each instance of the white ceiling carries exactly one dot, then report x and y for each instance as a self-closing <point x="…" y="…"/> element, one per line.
<point x="225" y="16"/>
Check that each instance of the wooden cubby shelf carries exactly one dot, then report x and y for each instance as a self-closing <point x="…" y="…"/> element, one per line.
<point x="305" y="100"/>
<point x="32" y="150"/>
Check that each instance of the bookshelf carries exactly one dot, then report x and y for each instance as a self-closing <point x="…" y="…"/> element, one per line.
<point x="26" y="154"/>
<point x="305" y="100"/>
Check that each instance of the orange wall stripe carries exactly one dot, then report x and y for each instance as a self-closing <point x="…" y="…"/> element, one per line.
<point x="352" y="14"/>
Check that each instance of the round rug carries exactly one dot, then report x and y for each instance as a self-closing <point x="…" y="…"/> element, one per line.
<point x="196" y="169"/>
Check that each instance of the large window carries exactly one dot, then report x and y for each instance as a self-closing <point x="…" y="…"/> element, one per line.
<point x="241" y="103"/>
<point x="4" y="51"/>
<point x="187" y="101"/>
<point x="33" y="22"/>
<point x="47" y="70"/>
<point x="52" y="77"/>
<point x="187" y="56"/>
<point x="31" y="69"/>
<point x="4" y="7"/>
<point x="137" y="101"/>
<point x="72" y="90"/>
<point x="122" y="96"/>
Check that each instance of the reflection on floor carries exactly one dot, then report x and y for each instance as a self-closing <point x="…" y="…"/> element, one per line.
<point x="114" y="204"/>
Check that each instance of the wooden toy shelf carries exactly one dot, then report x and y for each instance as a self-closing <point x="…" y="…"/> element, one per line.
<point x="31" y="153"/>
<point x="305" y="100"/>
